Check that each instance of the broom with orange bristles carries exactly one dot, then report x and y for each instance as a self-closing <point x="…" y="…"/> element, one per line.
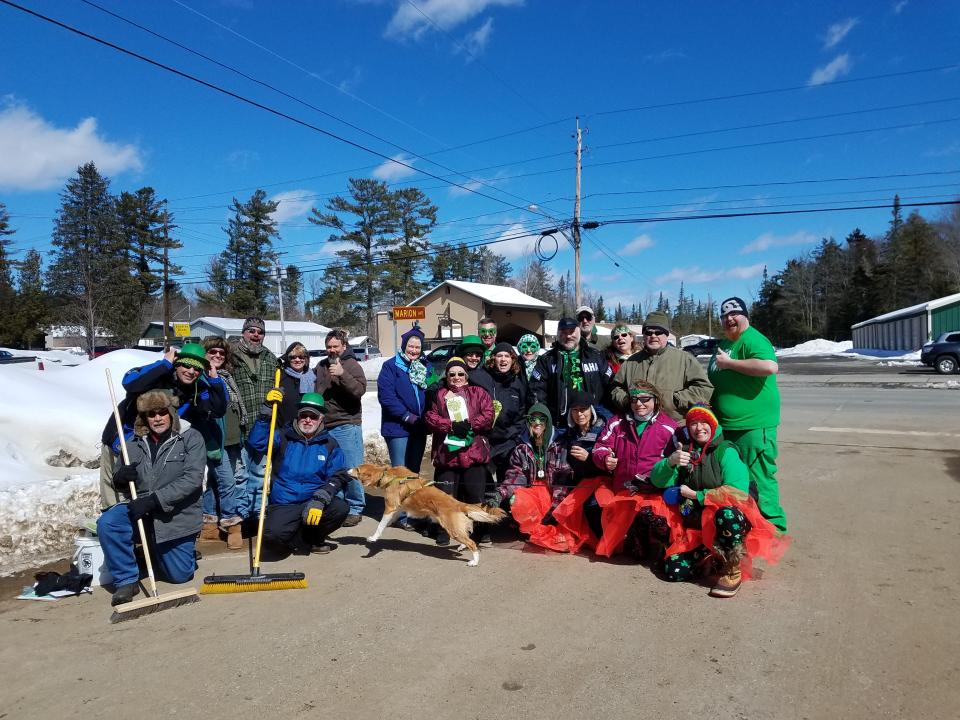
<point x="257" y="580"/>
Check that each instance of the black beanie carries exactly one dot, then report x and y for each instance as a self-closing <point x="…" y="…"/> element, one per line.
<point x="504" y="347"/>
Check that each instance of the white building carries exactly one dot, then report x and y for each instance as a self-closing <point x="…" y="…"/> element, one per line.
<point x="311" y="334"/>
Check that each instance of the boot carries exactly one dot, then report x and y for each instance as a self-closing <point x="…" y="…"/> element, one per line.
<point x="235" y="537"/>
<point x="730" y="576"/>
<point x="124" y="594"/>
<point x="209" y="530"/>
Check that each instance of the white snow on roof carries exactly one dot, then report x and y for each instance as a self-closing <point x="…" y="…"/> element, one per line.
<point x="493" y="294"/>
<point x="235" y="325"/>
<point x="912" y="310"/>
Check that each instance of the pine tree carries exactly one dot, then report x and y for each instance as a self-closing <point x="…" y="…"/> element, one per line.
<point x="291" y="286"/>
<point x="335" y="303"/>
<point x="600" y="312"/>
<point x="91" y="273"/>
<point x="7" y="292"/>
<point x="217" y="293"/>
<point x="403" y="272"/>
<point x="619" y="315"/>
<point x="31" y="313"/>
<point x="369" y="226"/>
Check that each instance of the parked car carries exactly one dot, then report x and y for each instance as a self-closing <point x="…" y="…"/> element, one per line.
<point x="439" y="355"/>
<point x="366" y="352"/>
<point x="7" y="358"/>
<point x="943" y="355"/>
<point x="706" y="346"/>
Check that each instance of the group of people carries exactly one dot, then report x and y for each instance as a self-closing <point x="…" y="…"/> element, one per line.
<point x="633" y="448"/>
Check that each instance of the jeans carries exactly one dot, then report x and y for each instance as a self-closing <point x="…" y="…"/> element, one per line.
<point x="350" y="440"/>
<point x="407" y="451"/>
<point x="250" y="485"/>
<point x="222" y="485"/>
<point x="174" y="559"/>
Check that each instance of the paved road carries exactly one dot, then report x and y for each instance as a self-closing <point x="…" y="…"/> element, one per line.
<point x="859" y="621"/>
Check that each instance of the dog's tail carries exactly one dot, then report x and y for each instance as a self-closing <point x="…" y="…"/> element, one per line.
<point x="484" y="513"/>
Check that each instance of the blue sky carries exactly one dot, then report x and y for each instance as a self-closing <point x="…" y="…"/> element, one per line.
<point x="478" y="69"/>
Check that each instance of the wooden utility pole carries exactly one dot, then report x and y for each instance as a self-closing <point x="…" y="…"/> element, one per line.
<point x="166" y="279"/>
<point x="576" y="219"/>
<point x="283" y="329"/>
<point x="709" y="315"/>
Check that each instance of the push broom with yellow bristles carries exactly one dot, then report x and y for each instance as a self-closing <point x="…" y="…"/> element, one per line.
<point x="257" y="580"/>
<point x="148" y="605"/>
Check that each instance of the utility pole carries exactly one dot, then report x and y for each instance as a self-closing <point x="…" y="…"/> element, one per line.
<point x="283" y="331"/>
<point x="709" y="315"/>
<point x="576" y="218"/>
<point x="166" y="279"/>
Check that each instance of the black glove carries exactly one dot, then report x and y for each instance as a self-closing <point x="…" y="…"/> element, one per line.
<point x="123" y="476"/>
<point x="142" y="506"/>
<point x="549" y="519"/>
<point x="460" y="428"/>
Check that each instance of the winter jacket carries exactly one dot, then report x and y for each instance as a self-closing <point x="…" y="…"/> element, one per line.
<point x="200" y="403"/>
<point x="636" y="456"/>
<point x="587" y="440"/>
<point x="176" y="478"/>
<point x="677" y="375"/>
<point x="480" y="413"/>
<point x="302" y="469"/>
<point x="720" y="465"/>
<point x="290" y="387"/>
<point x="254" y="376"/>
<point x="547" y="386"/>
<point x="402" y="404"/>
<point x="512" y="392"/>
<point x="481" y="378"/>
<point x="524" y="472"/>
<point x="231" y="420"/>
<point x="343" y="394"/>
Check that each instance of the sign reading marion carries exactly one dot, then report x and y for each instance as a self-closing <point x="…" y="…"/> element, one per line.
<point x="413" y="312"/>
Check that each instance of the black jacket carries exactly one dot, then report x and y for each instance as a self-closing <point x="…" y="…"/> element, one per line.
<point x="546" y="381"/>
<point x="513" y="394"/>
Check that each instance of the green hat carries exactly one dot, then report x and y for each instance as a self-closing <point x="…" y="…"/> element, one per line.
<point x="311" y="401"/>
<point x="192" y="355"/>
<point x="468" y="342"/>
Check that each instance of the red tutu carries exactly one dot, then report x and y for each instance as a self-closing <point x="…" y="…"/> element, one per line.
<point x="619" y="512"/>
<point x="571" y="532"/>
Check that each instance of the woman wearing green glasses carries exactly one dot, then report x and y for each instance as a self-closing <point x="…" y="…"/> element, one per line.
<point x="529" y="349"/>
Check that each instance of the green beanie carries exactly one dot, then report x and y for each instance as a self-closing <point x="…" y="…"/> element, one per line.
<point x="192" y="355"/>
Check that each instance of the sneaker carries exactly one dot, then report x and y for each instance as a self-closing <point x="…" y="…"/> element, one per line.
<point x="124" y="594"/>
<point x="729" y="583"/>
<point x="351" y="521"/>
<point x="323" y="548"/>
<point x="442" y="538"/>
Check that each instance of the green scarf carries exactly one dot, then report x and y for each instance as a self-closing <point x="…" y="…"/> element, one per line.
<point x="572" y="371"/>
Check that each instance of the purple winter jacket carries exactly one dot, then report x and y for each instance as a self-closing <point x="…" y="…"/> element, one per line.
<point x="635" y="456"/>
<point x="480" y="411"/>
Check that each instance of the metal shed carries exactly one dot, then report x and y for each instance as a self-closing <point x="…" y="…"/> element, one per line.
<point x="312" y="335"/>
<point x="909" y="328"/>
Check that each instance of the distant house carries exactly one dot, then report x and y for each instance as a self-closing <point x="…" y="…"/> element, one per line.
<point x="63" y="337"/>
<point x="311" y="334"/>
<point x="910" y="327"/>
<point x="454" y="308"/>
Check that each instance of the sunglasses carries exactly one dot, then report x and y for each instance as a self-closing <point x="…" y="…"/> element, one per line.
<point x="162" y="412"/>
<point x="297" y="357"/>
<point x="456" y="374"/>
<point x="254" y="331"/>
<point x="537" y="421"/>
<point x="309" y="416"/>
<point x="622" y="335"/>
<point x="472" y="353"/>
<point x="641" y="398"/>
<point x="217" y="351"/>
<point x="488" y="333"/>
<point x="651" y="333"/>
<point x="581" y="318"/>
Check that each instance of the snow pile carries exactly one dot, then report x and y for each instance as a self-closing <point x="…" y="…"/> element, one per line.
<point x="371" y="368"/>
<point x="57" y="357"/>
<point x="816" y="347"/>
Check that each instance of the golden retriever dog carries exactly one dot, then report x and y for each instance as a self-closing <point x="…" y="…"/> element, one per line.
<point x="404" y="490"/>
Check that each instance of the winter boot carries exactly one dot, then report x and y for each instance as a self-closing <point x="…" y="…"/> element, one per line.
<point x="730" y="576"/>
<point x="235" y="537"/>
<point x="124" y="594"/>
<point x="210" y="530"/>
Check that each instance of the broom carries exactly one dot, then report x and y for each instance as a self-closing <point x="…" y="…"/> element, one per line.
<point x="256" y="580"/>
<point x="149" y="605"/>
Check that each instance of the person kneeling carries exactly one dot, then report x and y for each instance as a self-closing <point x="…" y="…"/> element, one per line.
<point x="166" y="467"/>
<point x="309" y="469"/>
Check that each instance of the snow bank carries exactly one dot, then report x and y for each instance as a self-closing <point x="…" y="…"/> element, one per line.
<point x="827" y="347"/>
<point x="56" y="357"/>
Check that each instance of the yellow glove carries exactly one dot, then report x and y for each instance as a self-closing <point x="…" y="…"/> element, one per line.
<point x="312" y="513"/>
<point x="275" y="396"/>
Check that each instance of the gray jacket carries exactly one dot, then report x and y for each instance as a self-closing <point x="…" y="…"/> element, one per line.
<point x="176" y="478"/>
<point x="678" y="375"/>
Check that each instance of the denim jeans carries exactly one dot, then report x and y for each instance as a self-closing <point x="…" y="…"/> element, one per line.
<point x="407" y="451"/>
<point x="250" y="484"/>
<point x="350" y="440"/>
<point x="222" y="485"/>
<point x="174" y="560"/>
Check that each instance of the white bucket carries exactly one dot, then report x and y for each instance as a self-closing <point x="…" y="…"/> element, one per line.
<point x="88" y="557"/>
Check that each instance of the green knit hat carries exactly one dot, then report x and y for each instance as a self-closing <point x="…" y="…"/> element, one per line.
<point x="311" y="401"/>
<point x="192" y="355"/>
<point x="468" y="342"/>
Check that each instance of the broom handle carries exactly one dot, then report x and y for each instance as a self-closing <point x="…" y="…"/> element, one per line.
<point x="266" y="478"/>
<point x="133" y="488"/>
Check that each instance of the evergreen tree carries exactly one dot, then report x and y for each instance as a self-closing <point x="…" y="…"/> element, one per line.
<point x="31" y="313"/>
<point x="7" y="292"/>
<point x="91" y="273"/>
<point x="367" y="222"/>
<point x="619" y="315"/>
<point x="335" y="303"/>
<point x="291" y="286"/>
<point x="600" y="312"/>
<point x="415" y="216"/>
<point x="217" y="294"/>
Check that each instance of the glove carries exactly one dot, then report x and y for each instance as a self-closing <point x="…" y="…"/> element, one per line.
<point x="549" y="519"/>
<point x="123" y="476"/>
<point x="492" y="501"/>
<point x="671" y="496"/>
<point x="142" y="506"/>
<point x="411" y="419"/>
<point x="460" y="428"/>
<point x="274" y="397"/>
<point x="312" y="512"/>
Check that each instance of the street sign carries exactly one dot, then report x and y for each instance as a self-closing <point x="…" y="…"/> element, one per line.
<point x="181" y="329"/>
<point x="411" y="312"/>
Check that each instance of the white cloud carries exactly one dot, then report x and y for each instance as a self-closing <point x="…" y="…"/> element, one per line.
<point x="769" y="240"/>
<point x="408" y="22"/>
<point x="663" y="56"/>
<point x="35" y="155"/>
<point x="637" y="245"/>
<point x="390" y="171"/>
<point x="695" y="274"/>
<point x="514" y="246"/>
<point x="837" y="32"/>
<point x="293" y="204"/>
<point x="475" y="42"/>
<point x="242" y="159"/>
<point x="898" y="8"/>
<point x="840" y="65"/>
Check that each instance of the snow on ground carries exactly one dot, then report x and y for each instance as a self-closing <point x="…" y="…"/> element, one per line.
<point x="55" y="357"/>
<point x="816" y="347"/>
<point x="821" y="347"/>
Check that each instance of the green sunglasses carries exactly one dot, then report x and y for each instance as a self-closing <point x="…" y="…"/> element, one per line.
<point x="532" y="347"/>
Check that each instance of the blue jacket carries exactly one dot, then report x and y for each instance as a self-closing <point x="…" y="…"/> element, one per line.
<point x="403" y="403"/>
<point x="302" y="469"/>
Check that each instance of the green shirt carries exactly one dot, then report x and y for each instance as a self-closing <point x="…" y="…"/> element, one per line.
<point x="745" y="402"/>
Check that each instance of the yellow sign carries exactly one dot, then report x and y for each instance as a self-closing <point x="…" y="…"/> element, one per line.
<point x="411" y="312"/>
<point x="181" y="329"/>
